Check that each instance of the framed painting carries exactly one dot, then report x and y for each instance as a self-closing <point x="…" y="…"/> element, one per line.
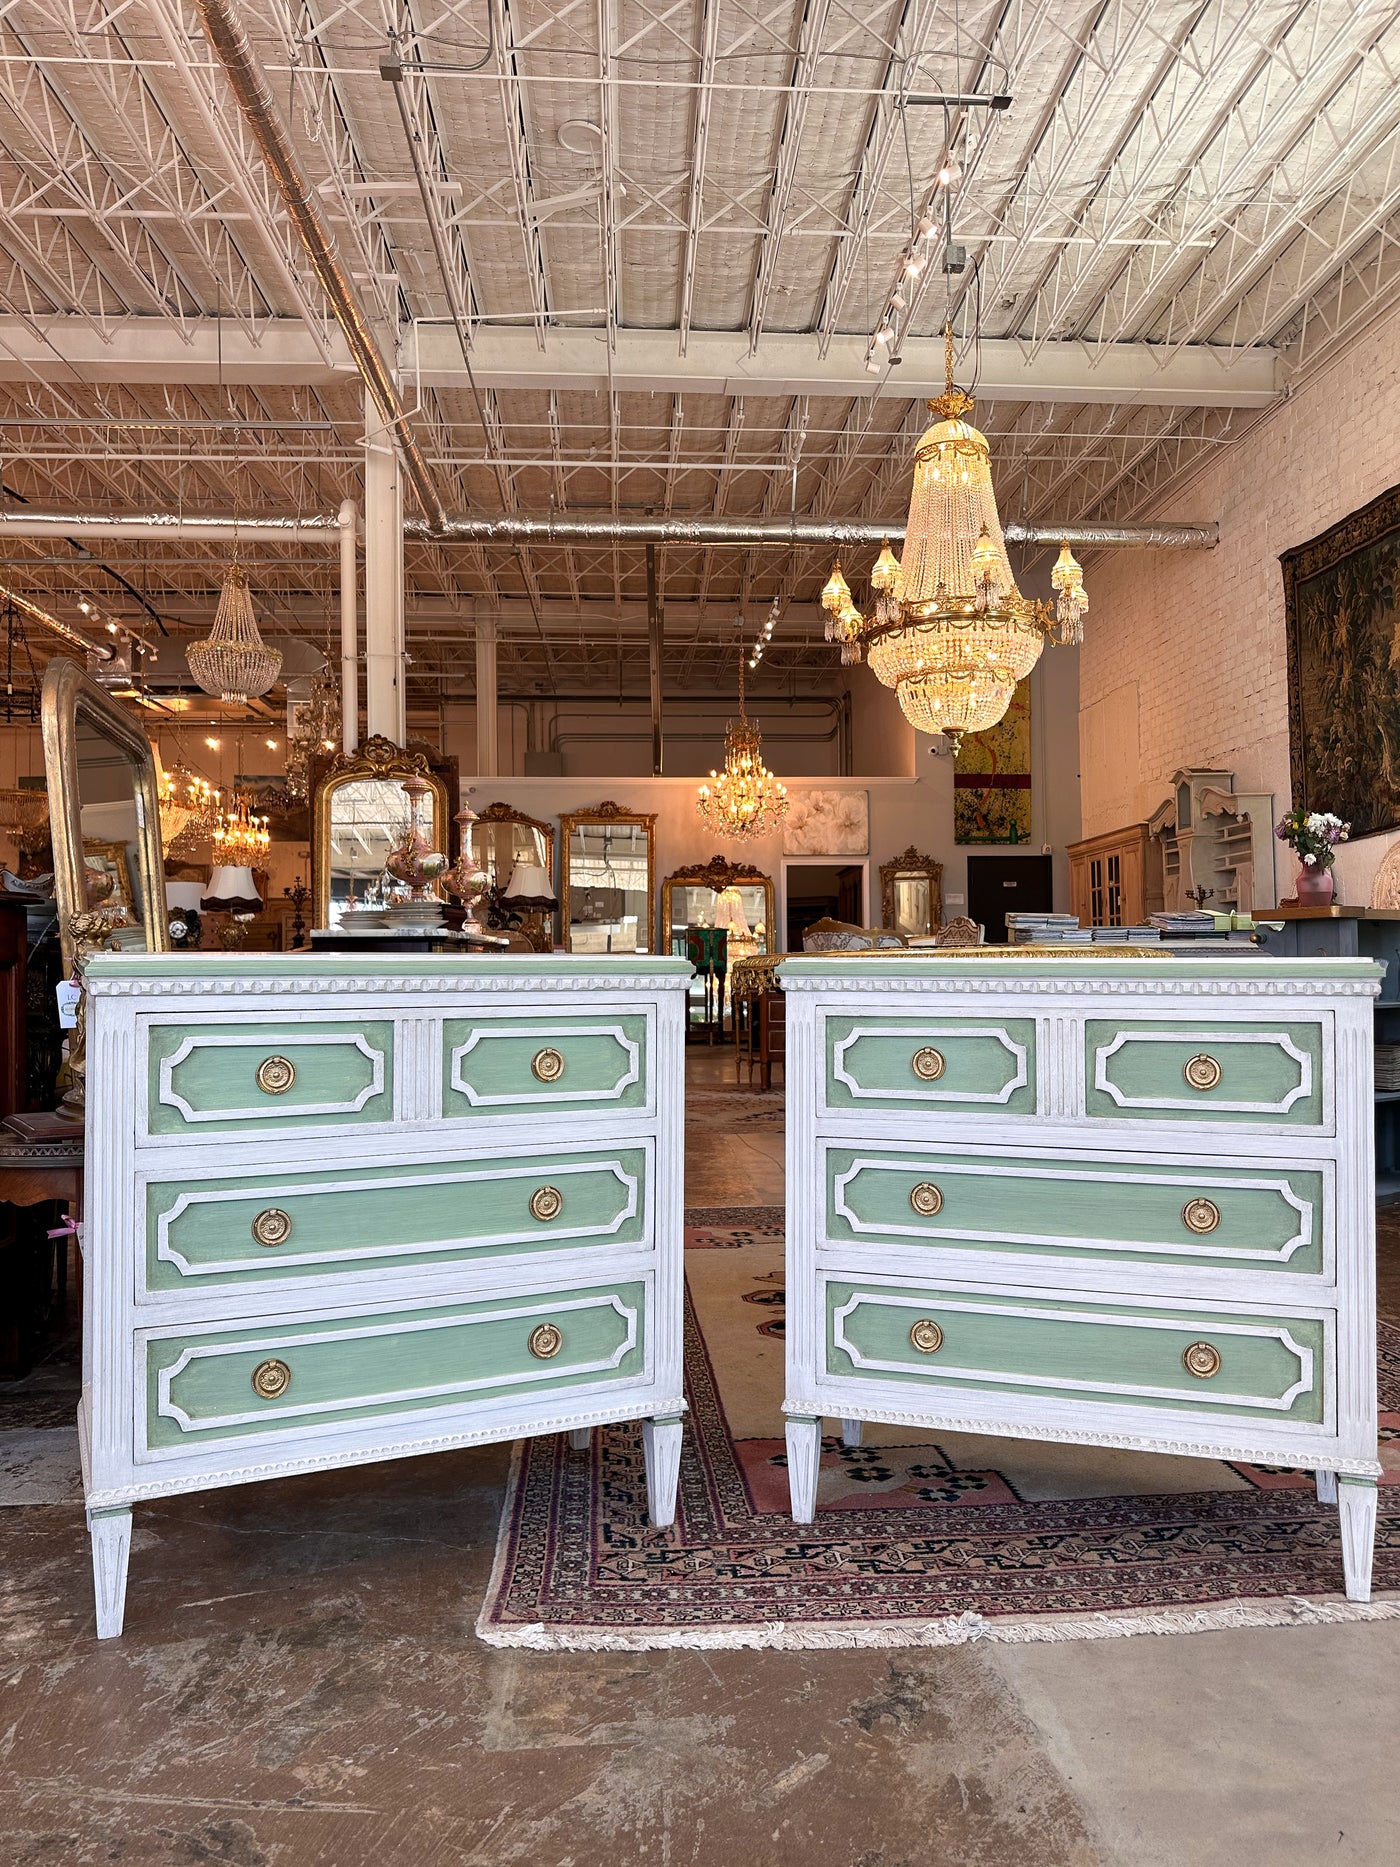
<point x="1342" y="613"/>
<point x="992" y="778"/>
<point x="827" y="823"/>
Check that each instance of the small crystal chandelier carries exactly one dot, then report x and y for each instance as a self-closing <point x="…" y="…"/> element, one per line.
<point x="745" y="799"/>
<point x="1066" y="629"/>
<point x="240" y="837"/>
<point x="190" y="808"/>
<point x="950" y="631"/>
<point x="315" y="730"/>
<point x="233" y="661"/>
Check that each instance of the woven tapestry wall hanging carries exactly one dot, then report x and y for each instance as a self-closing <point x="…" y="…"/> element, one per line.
<point x="1342" y="607"/>
<point x="992" y="779"/>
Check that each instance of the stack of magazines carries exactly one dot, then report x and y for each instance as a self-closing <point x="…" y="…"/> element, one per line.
<point x="1033" y="929"/>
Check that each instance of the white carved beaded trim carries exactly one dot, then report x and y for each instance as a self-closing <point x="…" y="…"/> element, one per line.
<point x="938" y="1372"/>
<point x="553" y="1033"/>
<point x="1096" y="985"/>
<point x="1280" y="1040"/>
<point x="620" y="1407"/>
<point x="923" y="1093"/>
<point x="271" y="1109"/>
<point x="272" y="1416"/>
<point x="351" y="1254"/>
<point x="1309" y="1458"/>
<point x="1002" y="1170"/>
<point x="454" y="987"/>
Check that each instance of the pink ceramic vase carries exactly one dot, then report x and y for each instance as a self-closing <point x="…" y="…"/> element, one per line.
<point x="1315" y="888"/>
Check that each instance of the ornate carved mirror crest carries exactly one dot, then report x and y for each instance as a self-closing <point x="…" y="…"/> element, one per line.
<point x="911" y="894"/>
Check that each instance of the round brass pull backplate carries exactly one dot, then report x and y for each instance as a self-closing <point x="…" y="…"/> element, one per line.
<point x="926" y="1199"/>
<point x="271" y="1379"/>
<point x="546" y="1341"/>
<point x="276" y="1075"/>
<point x="928" y="1064"/>
<point x="1202" y="1359"/>
<point x="1202" y="1071"/>
<point x="272" y="1226"/>
<point x="926" y="1336"/>
<point x="1200" y="1215"/>
<point x="547" y="1065"/>
<point x="546" y="1203"/>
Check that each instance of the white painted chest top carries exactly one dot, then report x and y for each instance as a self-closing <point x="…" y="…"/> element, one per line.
<point x="351" y="1208"/>
<point x="1122" y="1202"/>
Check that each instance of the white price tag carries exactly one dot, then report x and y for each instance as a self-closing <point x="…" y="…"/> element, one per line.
<point x="69" y="997"/>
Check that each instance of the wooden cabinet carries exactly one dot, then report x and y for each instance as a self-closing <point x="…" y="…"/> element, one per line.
<point x="1115" y="880"/>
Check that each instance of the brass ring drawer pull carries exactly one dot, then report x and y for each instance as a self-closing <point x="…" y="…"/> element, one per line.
<point x="1202" y="1071"/>
<point x="547" y="1065"/>
<point x="546" y="1341"/>
<point x="1200" y="1215"/>
<point x="926" y="1336"/>
<point x="546" y="1203"/>
<point x="1202" y="1359"/>
<point x="271" y="1379"/>
<point x="926" y="1199"/>
<point x="928" y="1064"/>
<point x="276" y="1075"/>
<point x="272" y="1226"/>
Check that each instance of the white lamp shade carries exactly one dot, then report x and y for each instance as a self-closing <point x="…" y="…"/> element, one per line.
<point x="233" y="889"/>
<point x="184" y="896"/>
<point x="528" y="883"/>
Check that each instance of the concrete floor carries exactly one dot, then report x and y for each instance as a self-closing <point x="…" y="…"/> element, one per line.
<point x="299" y="1686"/>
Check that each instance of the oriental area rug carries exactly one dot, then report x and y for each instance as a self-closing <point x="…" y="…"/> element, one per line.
<point x="919" y="1539"/>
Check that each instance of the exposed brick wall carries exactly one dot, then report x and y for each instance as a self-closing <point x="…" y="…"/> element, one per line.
<point x="1184" y="661"/>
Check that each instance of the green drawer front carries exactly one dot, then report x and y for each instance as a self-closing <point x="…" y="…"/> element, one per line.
<point x="1268" y="1216"/>
<point x="583" y="1065"/>
<point x="955" y="1065"/>
<point x="236" y="1382"/>
<point x="225" y="1231"/>
<point x="220" y="1078"/>
<point x="1268" y="1367"/>
<point x="1266" y="1073"/>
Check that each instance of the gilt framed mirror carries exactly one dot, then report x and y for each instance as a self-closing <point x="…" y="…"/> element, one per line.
<point x="607" y="879"/>
<point x="503" y="836"/>
<point x="359" y="811"/>
<point x="718" y="893"/>
<point x="104" y="809"/>
<point x="911" y="894"/>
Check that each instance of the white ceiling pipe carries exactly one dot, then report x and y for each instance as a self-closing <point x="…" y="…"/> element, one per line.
<point x="103" y="650"/>
<point x="210" y="529"/>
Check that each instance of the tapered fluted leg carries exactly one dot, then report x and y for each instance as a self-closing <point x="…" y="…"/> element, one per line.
<point x="1326" y="1487"/>
<point x="110" y="1531"/>
<point x="661" y="1443"/>
<point x="580" y="1438"/>
<point x="852" y="1432"/>
<point x="1356" y="1503"/>
<point x="804" y="1452"/>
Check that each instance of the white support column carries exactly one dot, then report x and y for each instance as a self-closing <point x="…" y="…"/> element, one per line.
<point x="487" y="725"/>
<point x="349" y="627"/>
<point x="384" y="640"/>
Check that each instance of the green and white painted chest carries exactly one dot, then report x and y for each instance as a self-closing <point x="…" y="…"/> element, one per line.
<point x="1113" y="1201"/>
<point x="351" y="1209"/>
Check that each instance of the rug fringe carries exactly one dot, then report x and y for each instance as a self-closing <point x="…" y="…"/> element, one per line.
<point x="954" y="1630"/>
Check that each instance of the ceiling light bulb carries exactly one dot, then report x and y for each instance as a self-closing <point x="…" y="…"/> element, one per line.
<point x="899" y="301"/>
<point x="271" y="744"/>
<point x="925" y="227"/>
<point x="949" y="175"/>
<point x="885" y="334"/>
<point x="872" y="366"/>
<point x="212" y="744"/>
<point x="913" y="265"/>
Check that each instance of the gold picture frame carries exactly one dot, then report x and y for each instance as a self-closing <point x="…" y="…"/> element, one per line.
<point x="111" y="858"/>
<point x="717" y="874"/>
<point x="499" y="813"/>
<point x="608" y="814"/>
<point x="378" y="759"/>
<point x="912" y="866"/>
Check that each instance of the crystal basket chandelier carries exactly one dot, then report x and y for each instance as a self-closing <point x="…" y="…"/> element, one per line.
<point x="745" y="799"/>
<point x="949" y="630"/>
<point x="233" y="661"/>
<point x="240" y="838"/>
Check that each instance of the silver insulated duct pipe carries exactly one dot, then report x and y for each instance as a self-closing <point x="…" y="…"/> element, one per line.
<point x="785" y="533"/>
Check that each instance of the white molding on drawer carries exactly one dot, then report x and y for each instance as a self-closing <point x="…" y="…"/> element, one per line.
<point x="1007" y="1170"/>
<point x="1001" y="1096"/>
<point x="1069" y="1384"/>
<point x="271" y="1341"/>
<point x="265" y="1260"/>
<point x="1182" y="1035"/>
<point x="270" y="1109"/>
<point x="547" y="1098"/>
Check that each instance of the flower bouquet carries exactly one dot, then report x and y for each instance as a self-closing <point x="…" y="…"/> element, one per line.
<point x="1313" y="835"/>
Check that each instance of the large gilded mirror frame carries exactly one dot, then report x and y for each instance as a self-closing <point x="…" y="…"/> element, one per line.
<point x="74" y="708"/>
<point x="911" y="894"/>
<point x="616" y="816"/>
<point x="717" y="874"/>
<point x="378" y="758"/>
<point x="484" y="832"/>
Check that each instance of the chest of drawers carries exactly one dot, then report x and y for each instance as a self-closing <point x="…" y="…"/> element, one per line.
<point x="349" y="1209"/>
<point x="1120" y="1202"/>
